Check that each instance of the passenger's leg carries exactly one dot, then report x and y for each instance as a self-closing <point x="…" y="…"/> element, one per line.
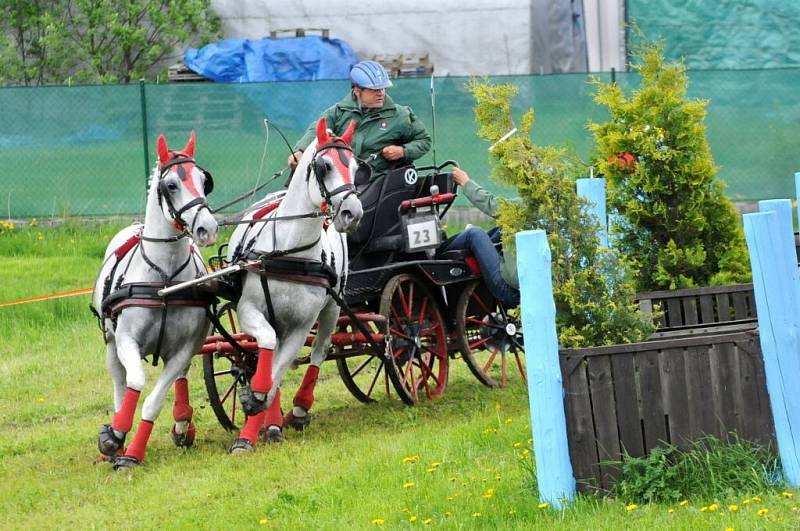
<point x="480" y="244"/>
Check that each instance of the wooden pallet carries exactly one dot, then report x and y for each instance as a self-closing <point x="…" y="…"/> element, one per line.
<point x="181" y="73"/>
<point x="405" y="64"/>
<point x="299" y="32"/>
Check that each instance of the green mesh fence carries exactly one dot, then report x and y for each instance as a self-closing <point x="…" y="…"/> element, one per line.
<point x="80" y="150"/>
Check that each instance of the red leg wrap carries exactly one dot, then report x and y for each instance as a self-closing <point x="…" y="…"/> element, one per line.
<point x="251" y="427"/>
<point x="273" y="416"/>
<point x="262" y="379"/>
<point x="182" y="410"/>
<point x="305" y="395"/>
<point x="139" y="444"/>
<point x="123" y="419"/>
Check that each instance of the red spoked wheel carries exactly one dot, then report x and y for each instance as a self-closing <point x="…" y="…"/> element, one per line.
<point x="362" y="372"/>
<point x="225" y="373"/>
<point x="416" y="357"/>
<point x="490" y="337"/>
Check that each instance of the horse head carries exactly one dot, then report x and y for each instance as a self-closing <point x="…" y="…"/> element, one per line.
<point x="333" y="168"/>
<point x="182" y="190"/>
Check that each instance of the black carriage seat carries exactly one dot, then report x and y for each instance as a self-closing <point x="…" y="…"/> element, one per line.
<point x="380" y="228"/>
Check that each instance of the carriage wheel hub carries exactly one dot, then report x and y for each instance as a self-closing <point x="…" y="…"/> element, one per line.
<point x="511" y="329"/>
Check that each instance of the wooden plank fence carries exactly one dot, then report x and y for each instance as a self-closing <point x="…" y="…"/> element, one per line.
<point x="631" y="398"/>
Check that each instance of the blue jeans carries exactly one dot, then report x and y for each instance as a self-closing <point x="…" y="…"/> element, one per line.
<point x="481" y="245"/>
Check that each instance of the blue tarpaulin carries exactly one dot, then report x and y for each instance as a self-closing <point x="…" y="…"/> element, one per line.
<point x="293" y="59"/>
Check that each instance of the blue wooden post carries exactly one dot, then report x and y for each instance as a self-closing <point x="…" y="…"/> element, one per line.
<point x="774" y="283"/>
<point x="797" y="193"/>
<point x="783" y="209"/>
<point x="594" y="190"/>
<point x="545" y="388"/>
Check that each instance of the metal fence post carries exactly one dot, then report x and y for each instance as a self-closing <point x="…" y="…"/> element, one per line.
<point x="545" y="388"/>
<point x="145" y="148"/>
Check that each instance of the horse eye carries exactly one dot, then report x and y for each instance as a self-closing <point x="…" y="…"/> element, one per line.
<point x="172" y="187"/>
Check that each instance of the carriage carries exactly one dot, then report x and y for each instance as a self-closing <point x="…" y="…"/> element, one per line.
<point x="406" y="311"/>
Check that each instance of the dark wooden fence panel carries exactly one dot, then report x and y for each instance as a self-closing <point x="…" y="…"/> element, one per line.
<point x="631" y="398"/>
<point x="695" y="306"/>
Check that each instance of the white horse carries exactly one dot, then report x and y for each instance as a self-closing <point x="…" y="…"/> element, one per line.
<point x="136" y="322"/>
<point x="282" y="300"/>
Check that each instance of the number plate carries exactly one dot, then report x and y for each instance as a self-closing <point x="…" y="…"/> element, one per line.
<point x="422" y="234"/>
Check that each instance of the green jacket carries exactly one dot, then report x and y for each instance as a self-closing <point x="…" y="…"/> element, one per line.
<point x="486" y="202"/>
<point x="375" y="129"/>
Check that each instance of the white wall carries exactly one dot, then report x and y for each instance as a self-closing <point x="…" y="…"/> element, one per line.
<point x="467" y="37"/>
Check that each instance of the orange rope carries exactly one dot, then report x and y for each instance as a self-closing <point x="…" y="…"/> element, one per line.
<point x="70" y="293"/>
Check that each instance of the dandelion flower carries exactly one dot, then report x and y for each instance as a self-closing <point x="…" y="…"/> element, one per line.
<point x="410" y="459"/>
<point x="451" y="498"/>
<point x="728" y="529"/>
<point x="517" y="445"/>
<point x="763" y="512"/>
<point x="713" y="507"/>
<point x="476" y="515"/>
<point x="432" y="469"/>
<point x="408" y="485"/>
<point x="787" y="494"/>
<point x="703" y="509"/>
<point x="733" y="508"/>
<point x="427" y="521"/>
<point x="670" y="511"/>
<point x="756" y="498"/>
<point x="498" y="406"/>
<point x="509" y="420"/>
<point x="378" y="521"/>
<point x="452" y="478"/>
<point x="746" y="502"/>
<point x="263" y="521"/>
<point x="412" y="518"/>
<point x="631" y="507"/>
<point x="436" y="464"/>
<point x="448" y="514"/>
<point x="543" y="505"/>
<point x="684" y="503"/>
<point x="489" y="493"/>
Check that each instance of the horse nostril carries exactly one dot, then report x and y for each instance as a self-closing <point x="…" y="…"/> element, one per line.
<point x="202" y="233"/>
<point x="347" y="216"/>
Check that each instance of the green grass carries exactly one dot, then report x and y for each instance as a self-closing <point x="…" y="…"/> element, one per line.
<point x="347" y="470"/>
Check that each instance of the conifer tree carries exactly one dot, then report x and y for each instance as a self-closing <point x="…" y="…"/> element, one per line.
<point x="592" y="287"/>
<point x="674" y="221"/>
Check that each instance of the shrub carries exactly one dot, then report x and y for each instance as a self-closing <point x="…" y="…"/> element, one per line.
<point x="709" y="468"/>
<point x="675" y="223"/>
<point x="592" y="286"/>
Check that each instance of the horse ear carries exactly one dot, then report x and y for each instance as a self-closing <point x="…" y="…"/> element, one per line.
<point x="322" y="132"/>
<point x="189" y="149"/>
<point x="347" y="137"/>
<point x="163" y="151"/>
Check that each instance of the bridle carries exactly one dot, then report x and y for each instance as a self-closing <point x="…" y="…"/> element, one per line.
<point x="320" y="170"/>
<point x="164" y="197"/>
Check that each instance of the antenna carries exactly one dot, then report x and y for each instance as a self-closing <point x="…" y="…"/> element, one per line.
<point x="433" y="117"/>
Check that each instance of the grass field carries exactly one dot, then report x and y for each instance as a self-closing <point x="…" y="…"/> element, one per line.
<point x="462" y="462"/>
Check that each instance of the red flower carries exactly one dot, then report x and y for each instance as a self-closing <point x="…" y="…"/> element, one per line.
<point x="624" y="161"/>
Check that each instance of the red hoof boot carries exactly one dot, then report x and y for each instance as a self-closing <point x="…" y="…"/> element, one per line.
<point x="126" y="461"/>
<point x="298" y="423"/>
<point x="185" y="439"/>
<point x="271" y="435"/>
<point x="241" y="446"/>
